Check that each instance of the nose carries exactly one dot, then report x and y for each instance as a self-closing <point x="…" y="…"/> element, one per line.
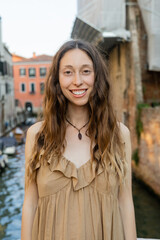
<point x="77" y="79"/>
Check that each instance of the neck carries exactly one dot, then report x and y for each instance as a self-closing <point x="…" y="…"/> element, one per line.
<point x="77" y="115"/>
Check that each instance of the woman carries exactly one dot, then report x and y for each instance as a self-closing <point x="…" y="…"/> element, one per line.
<point x="78" y="159"/>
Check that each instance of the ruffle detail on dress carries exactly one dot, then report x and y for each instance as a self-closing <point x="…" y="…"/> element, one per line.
<point x="38" y="164"/>
<point x="81" y="177"/>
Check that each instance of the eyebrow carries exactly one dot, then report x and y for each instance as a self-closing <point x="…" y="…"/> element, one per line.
<point x="84" y="65"/>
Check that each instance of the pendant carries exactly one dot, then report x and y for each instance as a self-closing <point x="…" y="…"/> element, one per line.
<point x="79" y="136"/>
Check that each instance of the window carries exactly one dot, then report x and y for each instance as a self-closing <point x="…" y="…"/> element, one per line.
<point x="28" y="106"/>
<point x="22" y="72"/>
<point x="43" y="71"/>
<point x="7" y="88"/>
<point x="42" y="87"/>
<point x="6" y="69"/>
<point x="16" y="102"/>
<point x="32" y="72"/>
<point x="32" y="88"/>
<point x="3" y="68"/>
<point x="23" y="87"/>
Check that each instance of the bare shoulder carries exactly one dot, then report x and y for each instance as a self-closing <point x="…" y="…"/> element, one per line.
<point x="34" y="129"/>
<point x="30" y="138"/>
<point x="125" y="132"/>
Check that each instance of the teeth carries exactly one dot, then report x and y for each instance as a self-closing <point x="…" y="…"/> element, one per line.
<point x="78" y="92"/>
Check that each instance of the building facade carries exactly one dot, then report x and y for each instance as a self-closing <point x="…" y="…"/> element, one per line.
<point x="29" y="78"/>
<point x="7" y="106"/>
<point x="128" y="33"/>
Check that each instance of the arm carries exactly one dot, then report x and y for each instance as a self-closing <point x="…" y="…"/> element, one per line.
<point x="125" y="194"/>
<point x="31" y="193"/>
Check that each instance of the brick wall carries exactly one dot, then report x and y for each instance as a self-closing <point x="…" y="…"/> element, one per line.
<point x="148" y="168"/>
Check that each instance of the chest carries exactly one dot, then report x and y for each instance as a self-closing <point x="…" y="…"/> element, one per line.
<point x="77" y="151"/>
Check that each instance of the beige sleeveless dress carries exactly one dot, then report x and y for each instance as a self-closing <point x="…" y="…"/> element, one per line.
<point x="74" y="204"/>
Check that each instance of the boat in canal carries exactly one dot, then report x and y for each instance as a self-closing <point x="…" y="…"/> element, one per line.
<point x="10" y="151"/>
<point x="19" y="135"/>
<point x="8" y="145"/>
<point x="3" y="161"/>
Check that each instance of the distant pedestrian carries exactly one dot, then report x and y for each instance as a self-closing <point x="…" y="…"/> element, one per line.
<point x="78" y="159"/>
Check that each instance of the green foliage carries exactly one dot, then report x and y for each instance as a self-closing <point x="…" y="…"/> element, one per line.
<point x="142" y="105"/>
<point x="135" y="156"/>
<point x="155" y="104"/>
<point x="139" y="124"/>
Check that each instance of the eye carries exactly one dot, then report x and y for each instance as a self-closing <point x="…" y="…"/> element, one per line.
<point x="67" y="72"/>
<point x="86" y="71"/>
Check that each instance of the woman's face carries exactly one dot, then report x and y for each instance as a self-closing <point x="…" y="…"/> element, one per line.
<point x="76" y="76"/>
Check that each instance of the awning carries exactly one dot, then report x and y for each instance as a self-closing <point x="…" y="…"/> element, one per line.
<point x="85" y="31"/>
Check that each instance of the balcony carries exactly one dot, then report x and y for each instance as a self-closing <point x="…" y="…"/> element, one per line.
<point x="32" y="92"/>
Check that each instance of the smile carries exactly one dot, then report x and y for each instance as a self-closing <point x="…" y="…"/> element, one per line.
<point x="78" y="93"/>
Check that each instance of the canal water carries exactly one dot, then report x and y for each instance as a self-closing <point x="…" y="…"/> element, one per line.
<point x="147" y="206"/>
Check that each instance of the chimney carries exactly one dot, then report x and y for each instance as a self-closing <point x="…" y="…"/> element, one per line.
<point x="34" y="54"/>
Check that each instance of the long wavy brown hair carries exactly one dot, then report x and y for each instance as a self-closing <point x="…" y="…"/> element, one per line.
<point x="103" y="128"/>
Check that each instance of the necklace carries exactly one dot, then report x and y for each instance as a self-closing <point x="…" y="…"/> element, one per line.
<point x="78" y="129"/>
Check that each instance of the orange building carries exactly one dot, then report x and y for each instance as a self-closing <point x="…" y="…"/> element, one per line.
<point x="29" y="77"/>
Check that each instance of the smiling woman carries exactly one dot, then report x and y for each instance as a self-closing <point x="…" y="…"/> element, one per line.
<point x="76" y="76"/>
<point x="78" y="159"/>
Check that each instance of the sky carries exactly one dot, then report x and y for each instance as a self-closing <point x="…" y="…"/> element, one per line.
<point x="39" y="26"/>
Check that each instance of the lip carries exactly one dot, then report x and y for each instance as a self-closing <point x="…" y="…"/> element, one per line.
<point x="78" y="90"/>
